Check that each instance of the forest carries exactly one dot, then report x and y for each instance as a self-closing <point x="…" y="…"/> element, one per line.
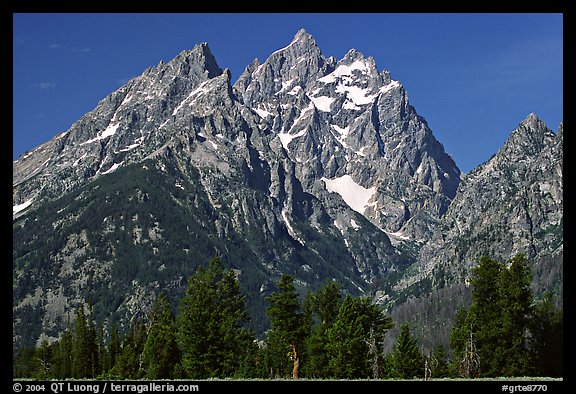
<point x="505" y="332"/>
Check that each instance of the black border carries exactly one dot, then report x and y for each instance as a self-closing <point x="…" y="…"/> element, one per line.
<point x="566" y="7"/>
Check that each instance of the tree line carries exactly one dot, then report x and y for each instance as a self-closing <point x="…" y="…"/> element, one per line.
<point x="323" y="335"/>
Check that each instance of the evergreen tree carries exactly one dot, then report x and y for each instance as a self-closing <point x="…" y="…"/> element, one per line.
<point x="101" y="352"/>
<point x="161" y="353"/>
<point x="465" y="360"/>
<point x="26" y="363"/>
<point x="92" y="342"/>
<point x="493" y="335"/>
<point x="407" y="360"/>
<point x="547" y="344"/>
<point x="43" y="361"/>
<point x="355" y="339"/>
<point x="322" y="306"/>
<point x="516" y="310"/>
<point x="288" y="324"/>
<point x="63" y="353"/>
<point x="211" y="324"/>
<point x="82" y="347"/>
<point x="440" y="363"/>
<point x="129" y="362"/>
<point x="114" y="348"/>
<point x="485" y="316"/>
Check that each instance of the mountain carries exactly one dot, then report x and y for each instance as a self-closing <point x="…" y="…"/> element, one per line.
<point x="305" y="165"/>
<point x="512" y="203"/>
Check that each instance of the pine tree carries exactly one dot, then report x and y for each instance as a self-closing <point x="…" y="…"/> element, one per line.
<point x="114" y="347"/>
<point x="322" y="306"/>
<point x="355" y="339"/>
<point x="82" y="346"/>
<point x="161" y="352"/>
<point x="101" y="352"/>
<point x="129" y="362"/>
<point x="407" y="360"/>
<point x="288" y="323"/>
<point x="547" y="344"/>
<point x="211" y="324"/>
<point x="63" y="353"/>
<point x="497" y="325"/>
<point x="440" y="363"/>
<point x="516" y="309"/>
<point x="43" y="361"/>
<point x="485" y="316"/>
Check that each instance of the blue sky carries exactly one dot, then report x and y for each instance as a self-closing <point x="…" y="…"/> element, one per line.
<point x="473" y="77"/>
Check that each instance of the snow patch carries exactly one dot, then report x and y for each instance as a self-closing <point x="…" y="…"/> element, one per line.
<point x="323" y="103"/>
<point x="79" y="159"/>
<point x="295" y="90"/>
<point x="286" y="138"/>
<point x="398" y="235"/>
<point x="357" y="197"/>
<point x="345" y="71"/>
<point x="286" y="85"/>
<point x="136" y="144"/>
<point x="355" y="94"/>
<point x="393" y="84"/>
<point x="201" y="89"/>
<point x="114" y="167"/>
<point x="289" y="227"/>
<point x="21" y="207"/>
<point x="212" y="144"/>
<point x="127" y="99"/>
<point x="544" y="187"/>
<point x="343" y="133"/>
<point x="110" y="131"/>
<point x="262" y="112"/>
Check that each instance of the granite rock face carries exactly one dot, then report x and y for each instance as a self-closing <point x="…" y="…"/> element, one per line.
<point x="513" y="203"/>
<point x="305" y="165"/>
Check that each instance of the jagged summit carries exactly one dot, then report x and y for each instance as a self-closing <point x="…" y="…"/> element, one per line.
<point x="529" y="138"/>
<point x="303" y="39"/>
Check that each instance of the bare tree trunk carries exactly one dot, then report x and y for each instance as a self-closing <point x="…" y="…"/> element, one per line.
<point x="296" y="361"/>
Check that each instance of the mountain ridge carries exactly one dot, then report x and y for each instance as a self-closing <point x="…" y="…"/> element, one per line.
<point x="305" y="165"/>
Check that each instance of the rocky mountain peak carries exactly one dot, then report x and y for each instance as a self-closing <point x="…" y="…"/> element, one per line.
<point x="203" y="57"/>
<point x="303" y="39"/>
<point x="527" y="140"/>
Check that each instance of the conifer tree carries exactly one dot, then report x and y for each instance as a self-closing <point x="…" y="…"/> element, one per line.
<point x="322" y="307"/>
<point x="516" y="309"/>
<point x="485" y="315"/>
<point x="355" y="339"/>
<point x="407" y="360"/>
<point x="129" y="362"/>
<point x="547" y="344"/>
<point x="63" y="353"/>
<point x="212" y="323"/>
<point x="161" y="352"/>
<point x="439" y="363"/>
<point x="498" y="323"/>
<point x="43" y="361"/>
<point x="114" y="347"/>
<point x="82" y="347"/>
<point x="288" y="323"/>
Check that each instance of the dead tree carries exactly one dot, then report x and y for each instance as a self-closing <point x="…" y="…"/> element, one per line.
<point x="430" y="363"/>
<point x="470" y="364"/>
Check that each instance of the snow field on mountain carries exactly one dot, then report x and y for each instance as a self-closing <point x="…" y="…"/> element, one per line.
<point x="357" y="197"/>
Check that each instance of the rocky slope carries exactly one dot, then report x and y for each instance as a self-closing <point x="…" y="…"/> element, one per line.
<point x="513" y="203"/>
<point x="305" y="165"/>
